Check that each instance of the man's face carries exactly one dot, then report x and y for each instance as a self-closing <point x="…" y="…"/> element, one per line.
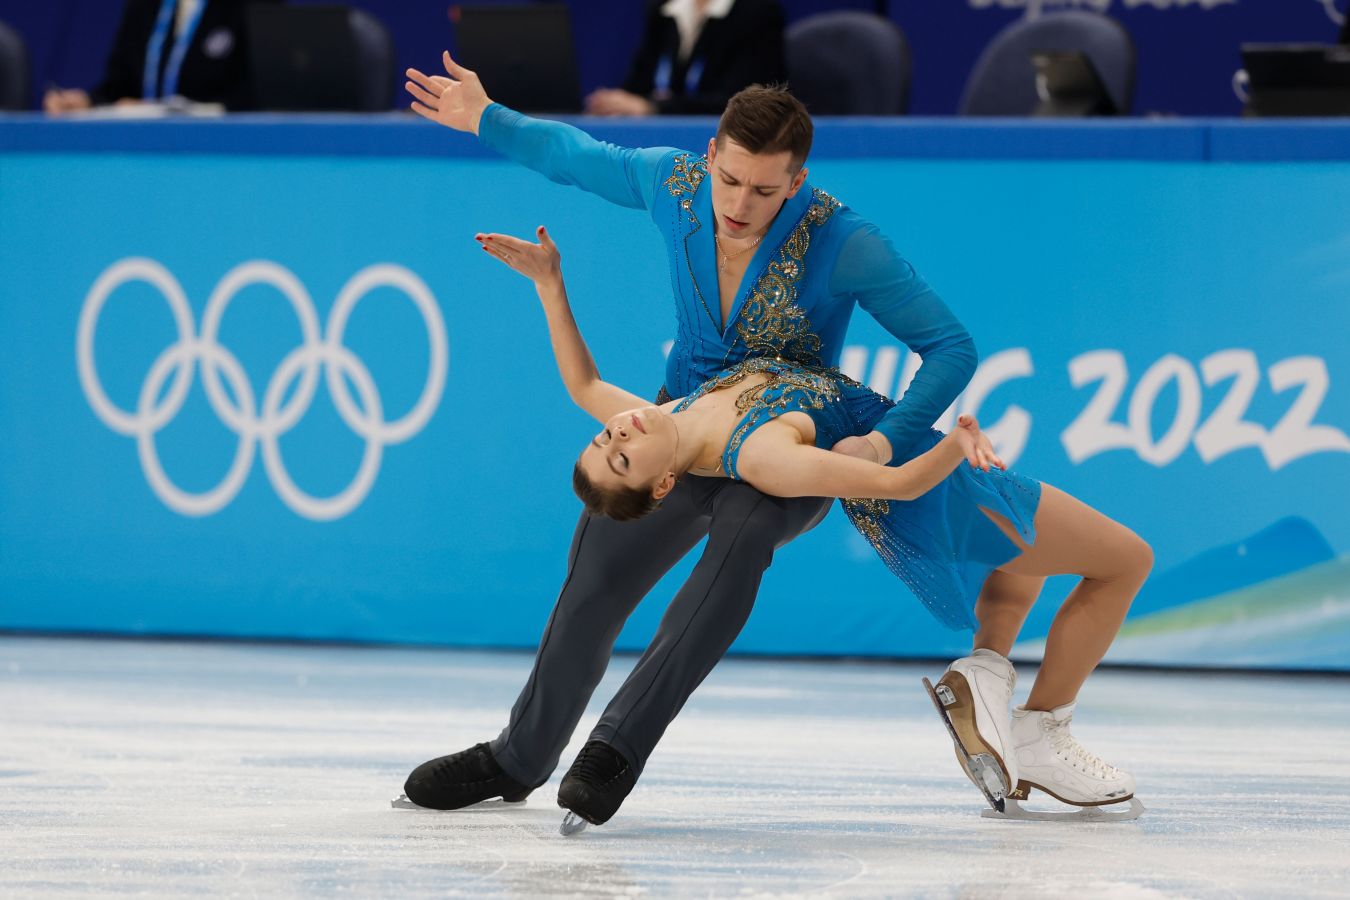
<point x="748" y="188"/>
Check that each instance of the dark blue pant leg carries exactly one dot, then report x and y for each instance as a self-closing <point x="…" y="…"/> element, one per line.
<point x="706" y="615"/>
<point x="611" y="566"/>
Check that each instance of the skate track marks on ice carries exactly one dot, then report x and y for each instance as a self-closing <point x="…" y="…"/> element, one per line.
<point x="262" y="770"/>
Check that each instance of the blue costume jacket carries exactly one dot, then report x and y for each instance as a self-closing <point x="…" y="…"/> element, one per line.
<point x="818" y="259"/>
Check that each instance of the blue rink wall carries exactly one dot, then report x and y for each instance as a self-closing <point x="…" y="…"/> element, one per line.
<point x="270" y="387"/>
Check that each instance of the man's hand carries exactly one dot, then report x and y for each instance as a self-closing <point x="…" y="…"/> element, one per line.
<point x="873" y="447"/>
<point x="614" y="102"/>
<point x="456" y="102"/>
<point x="975" y="444"/>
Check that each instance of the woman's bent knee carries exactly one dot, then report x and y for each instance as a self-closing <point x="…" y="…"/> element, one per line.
<point x="1130" y="560"/>
<point x="1136" y="556"/>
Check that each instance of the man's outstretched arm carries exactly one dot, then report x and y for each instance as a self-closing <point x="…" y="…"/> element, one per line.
<point x="887" y="287"/>
<point x="559" y="152"/>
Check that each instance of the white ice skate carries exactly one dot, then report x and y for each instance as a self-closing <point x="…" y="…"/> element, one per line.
<point x="1049" y="759"/>
<point x="973" y="696"/>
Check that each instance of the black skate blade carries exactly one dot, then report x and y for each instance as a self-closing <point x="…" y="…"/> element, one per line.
<point x="996" y="802"/>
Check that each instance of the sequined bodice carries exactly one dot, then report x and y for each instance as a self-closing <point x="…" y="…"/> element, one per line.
<point x="837" y="404"/>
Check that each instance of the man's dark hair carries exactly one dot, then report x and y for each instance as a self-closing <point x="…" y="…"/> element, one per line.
<point x="620" y="504"/>
<point x="768" y="120"/>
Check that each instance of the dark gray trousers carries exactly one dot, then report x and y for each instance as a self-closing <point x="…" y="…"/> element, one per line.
<point x="612" y="565"/>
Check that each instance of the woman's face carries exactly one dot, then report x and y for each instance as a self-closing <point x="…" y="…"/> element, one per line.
<point x="634" y="449"/>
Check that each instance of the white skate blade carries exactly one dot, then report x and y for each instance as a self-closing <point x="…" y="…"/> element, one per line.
<point x="1013" y="810"/>
<point x="572" y="824"/>
<point x="988" y="777"/>
<point x="402" y="802"/>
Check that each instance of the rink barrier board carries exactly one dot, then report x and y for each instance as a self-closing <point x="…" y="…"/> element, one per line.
<point x="400" y="134"/>
<point x="1176" y="358"/>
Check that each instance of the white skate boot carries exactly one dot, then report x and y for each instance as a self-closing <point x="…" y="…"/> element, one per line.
<point x="1051" y="760"/>
<point x="973" y="696"/>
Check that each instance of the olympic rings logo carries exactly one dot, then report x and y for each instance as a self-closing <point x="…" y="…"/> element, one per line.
<point x="241" y="415"/>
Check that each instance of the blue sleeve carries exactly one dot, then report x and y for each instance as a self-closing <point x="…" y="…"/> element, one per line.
<point x="568" y="155"/>
<point x="886" y="286"/>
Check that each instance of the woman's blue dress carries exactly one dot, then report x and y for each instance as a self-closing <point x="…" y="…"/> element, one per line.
<point x="940" y="545"/>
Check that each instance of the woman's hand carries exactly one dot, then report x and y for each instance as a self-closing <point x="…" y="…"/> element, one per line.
<point x="975" y="444"/>
<point x="541" y="262"/>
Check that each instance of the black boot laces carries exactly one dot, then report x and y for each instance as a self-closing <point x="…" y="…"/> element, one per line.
<point x="598" y="764"/>
<point x="470" y="767"/>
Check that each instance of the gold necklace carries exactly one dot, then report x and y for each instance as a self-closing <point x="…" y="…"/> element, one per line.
<point x="727" y="257"/>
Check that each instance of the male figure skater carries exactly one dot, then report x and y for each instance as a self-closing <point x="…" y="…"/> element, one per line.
<point x="761" y="264"/>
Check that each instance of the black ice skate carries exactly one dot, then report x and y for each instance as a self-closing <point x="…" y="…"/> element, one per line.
<point x="459" y="780"/>
<point x="595" y="786"/>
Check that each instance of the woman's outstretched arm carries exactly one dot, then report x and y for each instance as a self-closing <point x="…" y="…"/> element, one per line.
<point x="542" y="263"/>
<point x="789" y="469"/>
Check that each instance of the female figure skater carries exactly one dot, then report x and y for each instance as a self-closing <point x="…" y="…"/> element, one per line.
<point x="973" y="542"/>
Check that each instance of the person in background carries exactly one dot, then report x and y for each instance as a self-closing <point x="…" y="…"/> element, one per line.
<point x="694" y="55"/>
<point x="166" y="48"/>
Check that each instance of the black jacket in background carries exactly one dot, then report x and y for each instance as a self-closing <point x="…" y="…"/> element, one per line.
<point x="215" y="69"/>
<point x="1345" y="29"/>
<point x="744" y="48"/>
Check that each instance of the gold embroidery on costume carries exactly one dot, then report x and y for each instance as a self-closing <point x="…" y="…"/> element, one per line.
<point x="866" y="517"/>
<point x="686" y="176"/>
<point x="822" y="385"/>
<point x="800" y="390"/>
<point x="771" y="322"/>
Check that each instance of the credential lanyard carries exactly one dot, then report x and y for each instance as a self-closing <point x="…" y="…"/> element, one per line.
<point x="154" y="51"/>
<point x="692" y="76"/>
<point x="661" y="80"/>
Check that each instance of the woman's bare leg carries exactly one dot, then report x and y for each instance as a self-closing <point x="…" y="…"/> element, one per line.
<point x="1005" y="600"/>
<point x="1073" y="538"/>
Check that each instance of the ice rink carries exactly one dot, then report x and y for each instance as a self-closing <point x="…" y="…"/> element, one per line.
<point x="180" y="769"/>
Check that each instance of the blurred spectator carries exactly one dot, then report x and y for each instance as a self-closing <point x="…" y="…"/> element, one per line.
<point x="1345" y="29"/>
<point x="694" y="55"/>
<point x="192" y="48"/>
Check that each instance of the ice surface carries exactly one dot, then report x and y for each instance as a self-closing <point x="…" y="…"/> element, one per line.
<point x="175" y="769"/>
